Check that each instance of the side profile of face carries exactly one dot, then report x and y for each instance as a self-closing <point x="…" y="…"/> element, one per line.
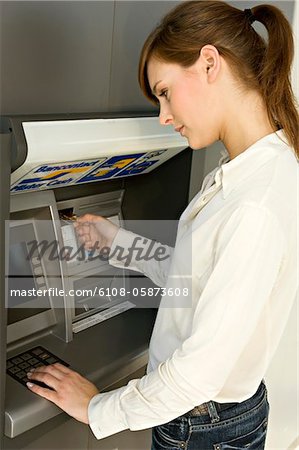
<point x="189" y="97"/>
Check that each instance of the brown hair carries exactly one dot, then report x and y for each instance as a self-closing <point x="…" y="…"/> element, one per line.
<point x="258" y="65"/>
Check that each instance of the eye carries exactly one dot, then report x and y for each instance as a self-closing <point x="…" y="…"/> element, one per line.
<point x="164" y="93"/>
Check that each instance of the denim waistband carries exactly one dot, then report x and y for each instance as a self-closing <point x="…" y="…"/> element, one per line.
<point x="209" y="410"/>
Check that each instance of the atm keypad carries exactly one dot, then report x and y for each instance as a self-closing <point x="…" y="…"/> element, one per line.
<point x="18" y="366"/>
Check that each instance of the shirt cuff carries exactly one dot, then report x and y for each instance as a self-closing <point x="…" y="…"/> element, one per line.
<point x="105" y="415"/>
<point x="121" y="243"/>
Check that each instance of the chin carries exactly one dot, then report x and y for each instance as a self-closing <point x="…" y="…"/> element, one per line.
<point x="195" y="145"/>
<point x="201" y="143"/>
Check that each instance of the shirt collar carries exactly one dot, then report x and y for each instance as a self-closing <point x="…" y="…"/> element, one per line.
<point x="233" y="172"/>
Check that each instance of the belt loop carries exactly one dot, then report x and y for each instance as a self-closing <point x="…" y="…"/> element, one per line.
<point x="213" y="412"/>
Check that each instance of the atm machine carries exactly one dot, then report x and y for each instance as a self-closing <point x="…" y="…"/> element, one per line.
<point x="58" y="301"/>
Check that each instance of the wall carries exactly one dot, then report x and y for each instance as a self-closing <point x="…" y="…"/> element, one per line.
<point x="74" y="56"/>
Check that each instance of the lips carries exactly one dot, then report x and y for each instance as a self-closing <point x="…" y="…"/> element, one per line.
<point x="179" y="129"/>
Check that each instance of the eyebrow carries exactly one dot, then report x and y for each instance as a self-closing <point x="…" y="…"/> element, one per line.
<point x="154" y="88"/>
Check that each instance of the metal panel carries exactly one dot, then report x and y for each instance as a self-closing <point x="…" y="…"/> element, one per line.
<point x="5" y="142"/>
<point x="105" y="354"/>
<point x="59" y="433"/>
<point x="133" y="22"/>
<point x="55" y="56"/>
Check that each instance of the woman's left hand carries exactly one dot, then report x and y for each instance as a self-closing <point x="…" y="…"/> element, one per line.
<point x="71" y="392"/>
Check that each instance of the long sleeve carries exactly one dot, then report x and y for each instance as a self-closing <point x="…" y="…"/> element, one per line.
<point x="228" y="316"/>
<point x="123" y="254"/>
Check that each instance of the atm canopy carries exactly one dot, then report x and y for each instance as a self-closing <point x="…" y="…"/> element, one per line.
<point x="69" y="152"/>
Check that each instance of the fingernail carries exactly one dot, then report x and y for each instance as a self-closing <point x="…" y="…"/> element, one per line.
<point x="29" y="374"/>
<point x="30" y="385"/>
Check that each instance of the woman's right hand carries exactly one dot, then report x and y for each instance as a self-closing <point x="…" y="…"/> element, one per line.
<point x="95" y="232"/>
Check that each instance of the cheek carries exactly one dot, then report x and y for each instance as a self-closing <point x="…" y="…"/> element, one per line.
<point x="203" y="114"/>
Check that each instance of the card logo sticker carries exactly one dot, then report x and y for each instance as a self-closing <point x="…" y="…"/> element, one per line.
<point x="49" y="176"/>
<point x="142" y="164"/>
<point x="54" y="175"/>
<point x="110" y="168"/>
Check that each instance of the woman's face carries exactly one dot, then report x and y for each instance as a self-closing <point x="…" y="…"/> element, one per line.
<point x="187" y="100"/>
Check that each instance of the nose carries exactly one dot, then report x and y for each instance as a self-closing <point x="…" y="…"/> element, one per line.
<point x="165" y="117"/>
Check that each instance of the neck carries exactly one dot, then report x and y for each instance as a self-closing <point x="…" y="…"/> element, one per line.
<point x="246" y="122"/>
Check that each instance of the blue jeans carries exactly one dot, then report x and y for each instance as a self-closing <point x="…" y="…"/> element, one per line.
<point x="230" y="426"/>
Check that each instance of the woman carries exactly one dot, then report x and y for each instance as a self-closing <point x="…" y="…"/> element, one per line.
<point x="215" y="79"/>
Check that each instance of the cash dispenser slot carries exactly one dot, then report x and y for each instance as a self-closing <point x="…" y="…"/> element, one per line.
<point x="96" y="289"/>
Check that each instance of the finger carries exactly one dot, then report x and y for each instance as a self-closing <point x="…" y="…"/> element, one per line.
<point x="89" y="245"/>
<point x="63" y="368"/>
<point x="87" y="218"/>
<point x="45" y="378"/>
<point x="83" y="229"/>
<point x="60" y="367"/>
<point x="43" y="392"/>
<point x="82" y="219"/>
<point x="84" y="238"/>
<point x="53" y="369"/>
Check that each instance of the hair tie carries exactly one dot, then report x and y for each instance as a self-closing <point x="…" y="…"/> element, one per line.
<point x="249" y="15"/>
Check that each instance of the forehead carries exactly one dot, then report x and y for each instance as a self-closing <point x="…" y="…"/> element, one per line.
<point x="158" y="70"/>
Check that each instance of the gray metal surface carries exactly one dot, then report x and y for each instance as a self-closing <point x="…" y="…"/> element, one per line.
<point x="105" y="354"/>
<point x="55" y="56"/>
<point x="78" y="56"/>
<point x="46" y="222"/>
<point x="133" y="21"/>
<point x="5" y="143"/>
<point x="73" y="56"/>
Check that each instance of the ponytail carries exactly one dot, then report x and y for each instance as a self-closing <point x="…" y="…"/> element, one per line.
<point x="264" y="67"/>
<point x="274" y="75"/>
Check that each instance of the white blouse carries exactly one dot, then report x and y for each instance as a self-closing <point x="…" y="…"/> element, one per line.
<point x="236" y="252"/>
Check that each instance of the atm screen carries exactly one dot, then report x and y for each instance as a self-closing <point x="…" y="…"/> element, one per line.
<point x="20" y="269"/>
<point x="22" y="303"/>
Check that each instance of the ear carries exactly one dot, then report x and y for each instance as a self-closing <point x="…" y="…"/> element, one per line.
<point x="210" y="62"/>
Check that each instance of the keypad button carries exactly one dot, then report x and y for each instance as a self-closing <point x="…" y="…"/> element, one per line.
<point x="44" y="355"/>
<point x="40" y="364"/>
<point x="33" y="361"/>
<point x="9" y="364"/>
<point x="21" y="374"/>
<point x="17" y="360"/>
<point x="37" y="351"/>
<point x="26" y="356"/>
<point x="40" y="281"/>
<point x="14" y="370"/>
<point x="35" y="261"/>
<point x="51" y="360"/>
<point x="24" y="365"/>
<point x="38" y="271"/>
